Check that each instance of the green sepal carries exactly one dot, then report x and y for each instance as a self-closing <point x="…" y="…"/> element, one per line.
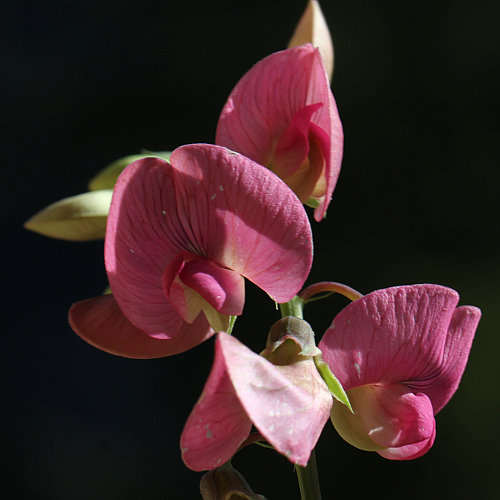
<point x="312" y="202"/>
<point x="331" y="381"/>
<point x="232" y="321"/>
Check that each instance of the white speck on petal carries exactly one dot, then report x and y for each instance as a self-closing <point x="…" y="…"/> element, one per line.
<point x="377" y="429"/>
<point x="221" y="187"/>
<point x="358" y="369"/>
<point x="213" y="197"/>
<point x="130" y="250"/>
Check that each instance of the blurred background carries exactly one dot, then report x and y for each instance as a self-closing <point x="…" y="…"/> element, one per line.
<point x="87" y="82"/>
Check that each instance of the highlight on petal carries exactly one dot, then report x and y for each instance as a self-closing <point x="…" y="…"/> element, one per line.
<point x="227" y="214"/>
<point x="289" y="405"/>
<point x="282" y="114"/>
<point x="313" y="28"/>
<point x="400" y="354"/>
<point x="100" y="322"/>
<point x="77" y="218"/>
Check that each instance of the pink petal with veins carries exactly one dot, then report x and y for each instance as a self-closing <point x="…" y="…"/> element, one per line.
<point x="209" y="203"/>
<point x="267" y="100"/>
<point x="400" y="354"/>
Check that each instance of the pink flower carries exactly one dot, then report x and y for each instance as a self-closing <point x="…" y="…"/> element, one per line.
<point x="289" y="405"/>
<point x="400" y="354"/>
<point x="181" y="236"/>
<point x="282" y="114"/>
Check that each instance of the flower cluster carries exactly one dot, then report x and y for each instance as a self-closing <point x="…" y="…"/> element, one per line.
<point x="183" y="230"/>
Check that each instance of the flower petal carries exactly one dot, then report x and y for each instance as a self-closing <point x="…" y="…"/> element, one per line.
<point x="391" y="420"/>
<point x="442" y="382"/>
<point x="100" y="322"/>
<point x="222" y="288"/>
<point x="390" y="336"/>
<point x="218" y="423"/>
<point x="245" y="218"/>
<point x="289" y="405"/>
<point x="264" y="102"/>
<point x="209" y="202"/>
<point x="410" y="451"/>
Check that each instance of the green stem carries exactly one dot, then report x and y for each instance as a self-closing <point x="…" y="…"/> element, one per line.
<point x="307" y="476"/>
<point x="293" y="308"/>
<point x="309" y="480"/>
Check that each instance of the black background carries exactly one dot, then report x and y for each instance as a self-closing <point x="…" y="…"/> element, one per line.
<point x="86" y="82"/>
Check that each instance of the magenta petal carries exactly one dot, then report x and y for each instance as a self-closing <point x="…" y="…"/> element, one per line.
<point x="390" y="336"/>
<point x="218" y="423"/>
<point x="100" y="322"/>
<point x="289" y="405"/>
<point x="208" y="202"/>
<point x="264" y="102"/>
<point x="247" y="219"/>
<point x="293" y="145"/>
<point x="222" y="288"/>
<point x="441" y="383"/>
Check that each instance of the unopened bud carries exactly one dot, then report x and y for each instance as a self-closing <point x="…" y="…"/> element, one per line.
<point x="312" y="28"/>
<point x="226" y="483"/>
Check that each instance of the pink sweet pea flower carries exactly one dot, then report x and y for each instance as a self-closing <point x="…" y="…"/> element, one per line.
<point x="289" y="405"/>
<point x="400" y="354"/>
<point x="181" y="237"/>
<point x="282" y="114"/>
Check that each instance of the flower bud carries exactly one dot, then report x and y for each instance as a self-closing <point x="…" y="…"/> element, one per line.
<point x="226" y="483"/>
<point x="77" y="218"/>
<point x="312" y="28"/>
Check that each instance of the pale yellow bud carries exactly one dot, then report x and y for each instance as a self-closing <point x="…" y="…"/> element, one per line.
<point x="77" y="218"/>
<point x="312" y="28"/>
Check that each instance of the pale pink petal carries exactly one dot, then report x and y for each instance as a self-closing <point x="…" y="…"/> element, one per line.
<point x="389" y="336"/>
<point x="289" y="405"/>
<point x="100" y="322"/>
<point x="264" y="102"/>
<point x="218" y="424"/>
<point x="392" y="415"/>
<point x="410" y="451"/>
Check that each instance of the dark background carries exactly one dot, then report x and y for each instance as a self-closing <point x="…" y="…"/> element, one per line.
<point x="86" y="82"/>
